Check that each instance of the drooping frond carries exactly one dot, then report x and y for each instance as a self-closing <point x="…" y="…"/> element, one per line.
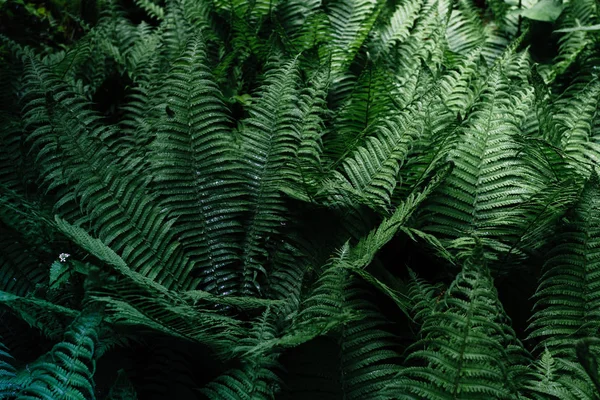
<point x="139" y="301"/>
<point x="51" y="319"/>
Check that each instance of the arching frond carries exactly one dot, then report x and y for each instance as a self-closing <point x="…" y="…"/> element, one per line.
<point x="139" y="301"/>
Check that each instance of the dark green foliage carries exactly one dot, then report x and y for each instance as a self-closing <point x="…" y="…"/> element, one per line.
<point x="566" y="299"/>
<point x="299" y="199"/>
<point x="467" y="349"/>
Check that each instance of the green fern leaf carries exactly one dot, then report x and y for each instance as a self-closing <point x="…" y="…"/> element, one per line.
<point x="482" y="198"/>
<point x="351" y="22"/>
<point x="139" y="301"/>
<point x="153" y="9"/>
<point x="467" y="349"/>
<point x="396" y="29"/>
<point x="67" y="372"/>
<point x="556" y="378"/>
<point x="192" y="162"/>
<point x="567" y="295"/>
<point x="8" y="387"/>
<point x="575" y="129"/>
<point x="87" y="170"/>
<point x="268" y="138"/>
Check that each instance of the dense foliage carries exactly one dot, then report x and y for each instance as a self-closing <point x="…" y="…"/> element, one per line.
<point x="300" y="199"/>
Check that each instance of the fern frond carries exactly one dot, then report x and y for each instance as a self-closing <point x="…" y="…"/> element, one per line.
<point x="369" y="356"/>
<point x="138" y="300"/>
<point x="192" y="161"/>
<point x="351" y="22"/>
<point x="141" y="56"/>
<point x="423" y="45"/>
<point x="466" y="345"/>
<point x="51" y="319"/>
<point x="396" y="29"/>
<point x="253" y="380"/>
<point x="67" y="372"/>
<point x="26" y="244"/>
<point x="8" y="387"/>
<point x="153" y="9"/>
<point x="572" y="44"/>
<point x="305" y="168"/>
<point x="578" y="137"/>
<point x="567" y="295"/>
<point x="176" y="31"/>
<point x="482" y="198"/>
<point x="367" y="247"/>
<point x="326" y="302"/>
<point x="370" y="172"/>
<point x="256" y="378"/>
<point x="424" y="297"/>
<point x="557" y="378"/>
<point x="86" y="169"/>
<point x="454" y="94"/>
<point x="304" y="22"/>
<point x="371" y="98"/>
<point x="268" y="138"/>
<point x="464" y="32"/>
